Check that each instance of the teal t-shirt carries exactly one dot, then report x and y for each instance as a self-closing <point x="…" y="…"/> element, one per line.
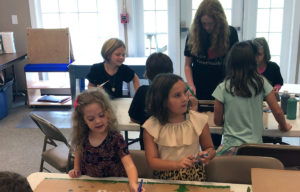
<point x="243" y="117"/>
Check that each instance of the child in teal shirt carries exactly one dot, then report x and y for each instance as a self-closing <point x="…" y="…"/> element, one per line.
<point x="239" y="100"/>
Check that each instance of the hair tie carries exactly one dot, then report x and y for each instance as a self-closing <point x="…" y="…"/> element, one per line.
<point x="75" y="103"/>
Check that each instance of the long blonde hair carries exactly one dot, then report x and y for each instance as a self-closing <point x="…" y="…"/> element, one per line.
<point x="219" y="38"/>
<point x="80" y="128"/>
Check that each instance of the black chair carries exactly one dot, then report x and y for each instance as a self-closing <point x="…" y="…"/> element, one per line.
<point x="59" y="155"/>
<point x="289" y="155"/>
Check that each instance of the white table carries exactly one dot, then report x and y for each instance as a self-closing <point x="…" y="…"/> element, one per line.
<point x="121" y="106"/>
<point x="271" y="126"/>
<point x="125" y="124"/>
<point x="35" y="178"/>
<point x="291" y="88"/>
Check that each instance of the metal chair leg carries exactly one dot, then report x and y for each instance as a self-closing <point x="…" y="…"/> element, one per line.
<point x="42" y="165"/>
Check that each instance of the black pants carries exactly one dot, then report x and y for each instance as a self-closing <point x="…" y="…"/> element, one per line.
<point x="216" y="138"/>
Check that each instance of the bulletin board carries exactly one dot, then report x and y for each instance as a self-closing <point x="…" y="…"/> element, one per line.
<point x="48" y="46"/>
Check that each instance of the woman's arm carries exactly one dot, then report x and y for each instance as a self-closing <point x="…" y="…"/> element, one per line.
<point x="188" y="73"/>
<point x="136" y="82"/>
<point x="194" y="103"/>
<point x="218" y="113"/>
<point x="76" y="172"/>
<point x="277" y="112"/>
<point x="131" y="172"/>
<point x="208" y="151"/>
<point x="158" y="164"/>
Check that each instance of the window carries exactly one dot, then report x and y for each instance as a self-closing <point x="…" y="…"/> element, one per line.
<point x="156" y="26"/>
<point x="86" y="19"/>
<point x="269" y="25"/>
<point x="226" y="4"/>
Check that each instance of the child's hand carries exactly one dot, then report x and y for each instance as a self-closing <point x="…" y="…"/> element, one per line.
<point x="134" y="187"/>
<point x="74" y="173"/>
<point x="206" y="156"/>
<point x="193" y="89"/>
<point x="203" y="157"/>
<point x="287" y="127"/>
<point x="186" y="162"/>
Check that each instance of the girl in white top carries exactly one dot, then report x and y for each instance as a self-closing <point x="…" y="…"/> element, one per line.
<point x="173" y="133"/>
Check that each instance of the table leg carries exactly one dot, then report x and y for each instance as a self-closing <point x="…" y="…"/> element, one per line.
<point x="126" y="137"/>
<point x="82" y="84"/>
<point x="72" y="84"/>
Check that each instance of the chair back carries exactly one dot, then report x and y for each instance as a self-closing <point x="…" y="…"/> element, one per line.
<point x="139" y="159"/>
<point x="58" y="156"/>
<point x="50" y="130"/>
<point x="237" y="169"/>
<point x="287" y="154"/>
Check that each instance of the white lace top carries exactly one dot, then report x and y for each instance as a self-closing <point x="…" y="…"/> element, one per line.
<point x="177" y="140"/>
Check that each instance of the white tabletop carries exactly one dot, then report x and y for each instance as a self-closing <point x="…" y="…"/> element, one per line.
<point x="291" y="88"/>
<point x="121" y="106"/>
<point x="35" y="178"/>
<point x="271" y="126"/>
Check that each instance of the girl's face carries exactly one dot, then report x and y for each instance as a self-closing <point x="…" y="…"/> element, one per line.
<point x="95" y="118"/>
<point x="208" y="23"/>
<point x="117" y="57"/>
<point x="260" y="55"/>
<point x="178" y="99"/>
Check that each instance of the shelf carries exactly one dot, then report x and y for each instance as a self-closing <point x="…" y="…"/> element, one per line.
<point x="58" y="82"/>
<point x="47" y="84"/>
<point x="34" y="102"/>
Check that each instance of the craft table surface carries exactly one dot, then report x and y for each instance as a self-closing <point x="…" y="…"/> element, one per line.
<point x="35" y="178"/>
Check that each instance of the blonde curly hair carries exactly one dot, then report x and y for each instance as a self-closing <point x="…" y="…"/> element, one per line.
<point x="219" y="38"/>
<point x="80" y="128"/>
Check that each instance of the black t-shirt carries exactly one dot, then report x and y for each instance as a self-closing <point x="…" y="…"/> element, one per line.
<point x="208" y="72"/>
<point x="113" y="87"/>
<point x="137" y="107"/>
<point x="272" y="73"/>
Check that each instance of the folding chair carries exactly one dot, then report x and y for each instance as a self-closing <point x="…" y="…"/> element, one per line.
<point x="59" y="156"/>
<point x="237" y="169"/>
<point x="140" y="161"/>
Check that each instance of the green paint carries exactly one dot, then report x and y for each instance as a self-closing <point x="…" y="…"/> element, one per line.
<point x="248" y="189"/>
<point x="182" y="188"/>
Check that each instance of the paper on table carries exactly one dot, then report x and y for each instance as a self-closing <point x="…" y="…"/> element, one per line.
<point x="274" y="180"/>
<point x="8" y="42"/>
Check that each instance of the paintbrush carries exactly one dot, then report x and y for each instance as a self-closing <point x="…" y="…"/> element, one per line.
<point x="206" y="154"/>
<point x="140" y="186"/>
<point x="191" y="91"/>
<point x="102" y="84"/>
